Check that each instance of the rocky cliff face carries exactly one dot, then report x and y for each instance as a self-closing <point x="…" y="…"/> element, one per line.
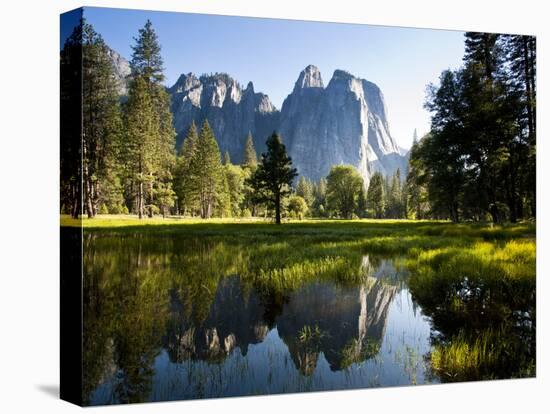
<point x="342" y="123"/>
<point x="231" y="110"/>
<point x="122" y="71"/>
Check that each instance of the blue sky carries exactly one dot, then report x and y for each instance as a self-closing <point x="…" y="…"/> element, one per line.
<point x="272" y="52"/>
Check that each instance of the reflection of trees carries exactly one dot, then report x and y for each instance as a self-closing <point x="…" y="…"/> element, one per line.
<point x="483" y="321"/>
<point x="143" y="293"/>
<point x="124" y="304"/>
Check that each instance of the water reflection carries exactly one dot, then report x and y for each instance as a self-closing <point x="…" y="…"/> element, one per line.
<point x="179" y="318"/>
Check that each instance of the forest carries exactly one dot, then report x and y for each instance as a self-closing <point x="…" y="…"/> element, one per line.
<point x="478" y="162"/>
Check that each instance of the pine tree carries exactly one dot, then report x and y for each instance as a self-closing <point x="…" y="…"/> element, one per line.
<point x="376" y="196"/>
<point x="146" y="66"/>
<point x="272" y="180"/>
<point x="521" y="57"/>
<point x="250" y="159"/>
<point x="483" y="49"/>
<point x="361" y="211"/>
<point x="205" y="171"/>
<point x="187" y="199"/>
<point x="146" y="60"/>
<point x="101" y="120"/>
<point x="304" y="189"/>
<point x="320" y="193"/>
<point x="142" y="131"/>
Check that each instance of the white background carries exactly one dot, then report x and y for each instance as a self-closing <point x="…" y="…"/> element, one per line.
<point x="29" y="162"/>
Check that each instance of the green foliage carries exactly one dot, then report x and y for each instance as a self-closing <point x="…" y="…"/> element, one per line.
<point x="146" y="58"/>
<point x="344" y="185"/>
<point x="318" y="208"/>
<point x="187" y="200"/>
<point x="478" y="159"/>
<point x="148" y="151"/>
<point x="165" y="197"/>
<point x="101" y="123"/>
<point x="305" y="189"/>
<point x="376" y="197"/>
<point x="206" y="178"/>
<point x="272" y="179"/>
<point x="235" y="177"/>
<point x="297" y="207"/>
<point x="250" y="159"/>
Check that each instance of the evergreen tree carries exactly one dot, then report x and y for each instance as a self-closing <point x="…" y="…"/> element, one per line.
<point x="319" y="203"/>
<point x="205" y="171"/>
<point x="376" y="196"/>
<point x="234" y="175"/>
<point x="344" y="185"/>
<point x="187" y="200"/>
<point x="521" y="58"/>
<point x="483" y="49"/>
<point x="146" y="60"/>
<point x="250" y="158"/>
<point x="142" y="131"/>
<point x="304" y="189"/>
<point x="71" y="123"/>
<point x="394" y="198"/>
<point x="101" y="122"/>
<point x="146" y="64"/>
<point x="416" y="194"/>
<point x="272" y="180"/>
<point x="361" y="211"/>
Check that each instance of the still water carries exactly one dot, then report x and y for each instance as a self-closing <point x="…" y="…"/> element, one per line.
<point x="178" y="318"/>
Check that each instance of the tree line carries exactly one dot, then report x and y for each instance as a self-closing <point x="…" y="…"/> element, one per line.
<point x="479" y="160"/>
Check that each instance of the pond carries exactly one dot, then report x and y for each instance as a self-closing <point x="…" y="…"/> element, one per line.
<point x="170" y="318"/>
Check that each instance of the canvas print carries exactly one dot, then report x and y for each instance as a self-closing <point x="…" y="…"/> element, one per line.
<point x="255" y="206"/>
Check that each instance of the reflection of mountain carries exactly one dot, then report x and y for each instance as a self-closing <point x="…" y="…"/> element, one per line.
<point x="346" y="324"/>
<point x="235" y="320"/>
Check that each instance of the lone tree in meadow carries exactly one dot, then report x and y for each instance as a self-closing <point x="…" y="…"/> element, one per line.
<point x="272" y="180"/>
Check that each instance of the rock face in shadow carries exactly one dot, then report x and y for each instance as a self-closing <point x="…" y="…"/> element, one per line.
<point x="232" y="111"/>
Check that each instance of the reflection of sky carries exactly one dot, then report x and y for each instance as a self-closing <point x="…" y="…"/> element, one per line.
<point x="68" y="22"/>
<point x="272" y="52"/>
<point x="268" y="367"/>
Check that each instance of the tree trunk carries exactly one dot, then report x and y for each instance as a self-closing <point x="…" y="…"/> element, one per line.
<point x="530" y="120"/>
<point x="278" y="208"/>
<point x="140" y="200"/>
